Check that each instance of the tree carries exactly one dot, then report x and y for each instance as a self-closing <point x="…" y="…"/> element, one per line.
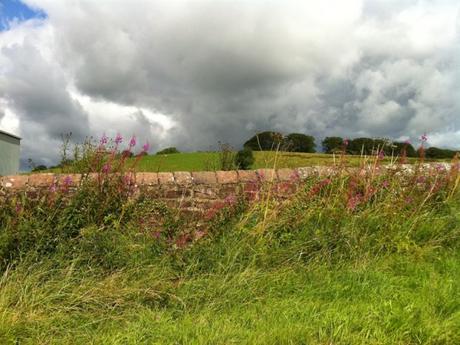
<point x="400" y="147"/>
<point x="265" y="141"/>
<point x="244" y="159"/>
<point x="298" y="142"/>
<point x="369" y="146"/>
<point x="332" y="144"/>
<point x="167" y="151"/>
<point x="435" y="152"/>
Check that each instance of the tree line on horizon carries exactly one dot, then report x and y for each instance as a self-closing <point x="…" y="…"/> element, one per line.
<point x="298" y="142"/>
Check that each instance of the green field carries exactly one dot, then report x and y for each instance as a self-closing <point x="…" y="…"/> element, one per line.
<point x="211" y="161"/>
<point x="205" y="161"/>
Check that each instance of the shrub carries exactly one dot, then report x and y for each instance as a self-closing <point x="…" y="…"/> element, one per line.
<point x="39" y="168"/>
<point x="244" y="159"/>
<point x="332" y="144"/>
<point x="265" y="141"/>
<point x="226" y="157"/>
<point x="167" y="151"/>
<point x="298" y="142"/>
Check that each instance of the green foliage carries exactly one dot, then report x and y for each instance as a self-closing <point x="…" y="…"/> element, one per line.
<point x="297" y="142"/>
<point x="332" y="144"/>
<point x="435" y="152"/>
<point x="400" y="149"/>
<point x="40" y="167"/>
<point x="265" y="141"/>
<point x="368" y="146"/>
<point x="168" y="151"/>
<point x="244" y="159"/>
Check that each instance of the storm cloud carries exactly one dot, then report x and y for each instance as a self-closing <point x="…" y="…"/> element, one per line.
<point x="191" y="73"/>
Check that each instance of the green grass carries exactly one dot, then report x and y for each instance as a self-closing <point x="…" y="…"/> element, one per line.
<point x="205" y="161"/>
<point x="210" y="161"/>
<point x="396" y="299"/>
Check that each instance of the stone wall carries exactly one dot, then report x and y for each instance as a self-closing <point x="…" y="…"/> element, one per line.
<point x="192" y="191"/>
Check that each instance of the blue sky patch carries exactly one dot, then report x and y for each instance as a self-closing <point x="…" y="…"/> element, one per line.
<point x="16" y="10"/>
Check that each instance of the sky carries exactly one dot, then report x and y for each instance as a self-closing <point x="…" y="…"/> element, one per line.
<point x="192" y="73"/>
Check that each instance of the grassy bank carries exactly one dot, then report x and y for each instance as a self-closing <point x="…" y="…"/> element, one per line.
<point x="393" y="299"/>
<point x="350" y="259"/>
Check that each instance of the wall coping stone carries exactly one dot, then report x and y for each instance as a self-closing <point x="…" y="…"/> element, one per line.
<point x="185" y="178"/>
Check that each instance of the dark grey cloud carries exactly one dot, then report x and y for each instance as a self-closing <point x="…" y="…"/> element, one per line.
<point x="222" y="70"/>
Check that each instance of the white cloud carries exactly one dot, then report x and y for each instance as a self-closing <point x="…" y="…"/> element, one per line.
<point x="192" y="73"/>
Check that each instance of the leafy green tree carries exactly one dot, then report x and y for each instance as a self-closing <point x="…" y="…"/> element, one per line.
<point x="298" y="142"/>
<point x="435" y="152"/>
<point x="167" y="151"/>
<point x="400" y="147"/>
<point x="265" y="141"/>
<point x="332" y="144"/>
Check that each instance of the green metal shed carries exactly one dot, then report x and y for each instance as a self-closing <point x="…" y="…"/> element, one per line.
<point x="9" y="153"/>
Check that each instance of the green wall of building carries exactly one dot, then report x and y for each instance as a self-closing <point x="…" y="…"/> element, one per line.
<point x="9" y="154"/>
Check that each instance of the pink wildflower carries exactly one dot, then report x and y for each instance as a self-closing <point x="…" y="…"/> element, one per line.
<point x="68" y="181"/>
<point x="354" y="201"/>
<point x="106" y="168"/>
<point x="146" y="147"/>
<point x="103" y="140"/>
<point x="424" y="137"/>
<point x="118" y="139"/>
<point x="381" y="154"/>
<point x="132" y="142"/>
<point x="53" y="187"/>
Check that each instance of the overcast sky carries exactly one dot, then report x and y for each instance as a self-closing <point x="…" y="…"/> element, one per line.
<point x="191" y="73"/>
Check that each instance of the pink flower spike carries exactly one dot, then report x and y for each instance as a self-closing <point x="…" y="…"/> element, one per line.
<point x="67" y="181"/>
<point x="103" y="140"/>
<point x="118" y="139"/>
<point x="106" y="168"/>
<point x="346" y="141"/>
<point x="381" y="155"/>
<point x="146" y="147"/>
<point x="424" y="137"/>
<point x="132" y="142"/>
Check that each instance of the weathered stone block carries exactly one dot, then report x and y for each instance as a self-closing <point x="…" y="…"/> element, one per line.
<point x="266" y="175"/>
<point x="204" y="177"/>
<point x="41" y="180"/>
<point x="247" y="176"/>
<point x="182" y="177"/>
<point x="287" y="175"/>
<point x="146" y="178"/>
<point x="165" y="178"/>
<point x="304" y="173"/>
<point x="224" y="177"/>
<point x="205" y="192"/>
<point x="14" y="182"/>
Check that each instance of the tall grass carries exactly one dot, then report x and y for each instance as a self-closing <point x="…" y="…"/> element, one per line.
<point x="362" y="256"/>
